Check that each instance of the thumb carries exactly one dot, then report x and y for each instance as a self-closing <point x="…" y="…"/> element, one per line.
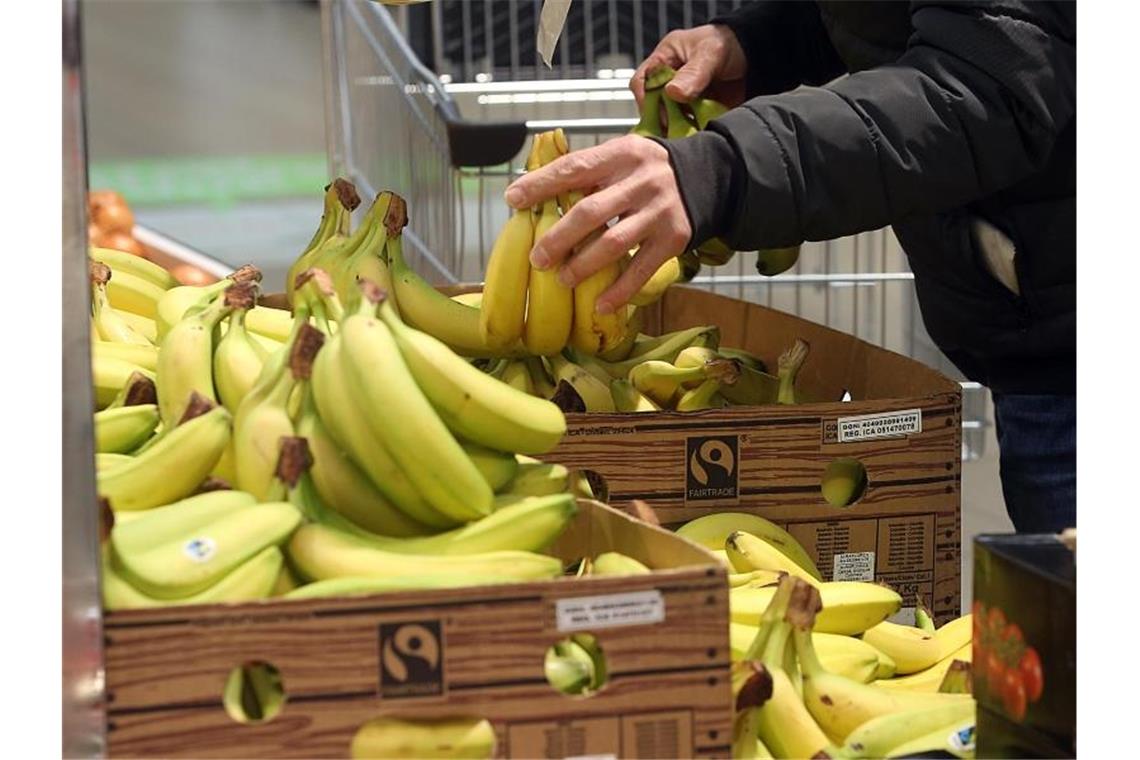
<point x="692" y="78"/>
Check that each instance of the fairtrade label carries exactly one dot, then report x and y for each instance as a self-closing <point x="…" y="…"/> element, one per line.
<point x="610" y="610"/>
<point x="854" y="566"/>
<point x="200" y="549"/>
<point x="866" y="427"/>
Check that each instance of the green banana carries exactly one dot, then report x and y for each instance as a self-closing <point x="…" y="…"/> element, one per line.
<point x="341" y="199"/>
<point x="251" y="580"/>
<point x="615" y="563"/>
<point x="123" y="429"/>
<point x="496" y="467"/>
<point x="535" y="478"/>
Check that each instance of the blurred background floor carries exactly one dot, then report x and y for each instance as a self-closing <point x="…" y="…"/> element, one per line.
<point x="208" y="116"/>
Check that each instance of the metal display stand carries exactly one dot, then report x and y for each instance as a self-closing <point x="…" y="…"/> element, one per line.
<point x="84" y="722"/>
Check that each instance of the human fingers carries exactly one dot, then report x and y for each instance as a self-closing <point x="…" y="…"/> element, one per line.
<point x="650" y="256"/>
<point x="608" y="247"/>
<point x="587" y="215"/>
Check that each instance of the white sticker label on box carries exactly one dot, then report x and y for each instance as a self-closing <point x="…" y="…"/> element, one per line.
<point x="855" y="566"/>
<point x="868" y="426"/>
<point x="610" y="610"/>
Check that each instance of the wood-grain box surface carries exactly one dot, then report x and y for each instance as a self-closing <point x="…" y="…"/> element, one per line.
<point x="903" y="424"/>
<point x="664" y="636"/>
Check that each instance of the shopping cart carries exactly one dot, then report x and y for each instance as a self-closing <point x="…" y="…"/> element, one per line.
<point x="451" y="143"/>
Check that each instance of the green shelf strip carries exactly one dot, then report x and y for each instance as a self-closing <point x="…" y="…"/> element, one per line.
<point x="219" y="181"/>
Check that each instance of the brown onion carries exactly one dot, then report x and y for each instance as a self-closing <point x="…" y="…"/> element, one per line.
<point x="113" y="218"/>
<point x="120" y="241"/>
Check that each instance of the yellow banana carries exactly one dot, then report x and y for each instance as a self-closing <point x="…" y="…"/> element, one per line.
<point x="389" y="737"/>
<point x="137" y="354"/>
<point x="124" y="429"/>
<point x="516" y="375"/>
<point x="912" y="649"/>
<point x="616" y="563"/>
<point x="630" y="399"/>
<point x="747" y="552"/>
<point x="592" y="395"/>
<point x="550" y="304"/>
<point x="144" y="326"/>
<point x="135" y="294"/>
<point x="620" y="351"/>
<point x="711" y="532"/>
<point x="535" y="478"/>
<point x="849" y="607"/>
<point x="928" y="680"/>
<point x="170" y="469"/>
<point x="394" y="405"/>
<point x="108" y="324"/>
<point x="954" y="635"/>
<point x="129" y="263"/>
<point x="838" y="704"/>
<point x="186" y="359"/>
<point x="320" y="553"/>
<point x="704" y="396"/>
<point x="238" y="359"/>
<point x="251" y="580"/>
<point x="341" y="199"/>
<point x="652" y="291"/>
<point x="478" y="408"/>
<point x="502" y="314"/>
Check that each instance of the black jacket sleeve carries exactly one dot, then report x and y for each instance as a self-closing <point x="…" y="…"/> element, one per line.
<point x="973" y="105"/>
<point x="785" y="44"/>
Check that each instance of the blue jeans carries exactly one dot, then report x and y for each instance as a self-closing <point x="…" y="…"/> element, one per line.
<point x="1038" y="440"/>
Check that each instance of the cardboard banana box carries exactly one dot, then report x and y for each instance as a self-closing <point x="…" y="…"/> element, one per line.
<point x="902" y="428"/>
<point x="469" y="654"/>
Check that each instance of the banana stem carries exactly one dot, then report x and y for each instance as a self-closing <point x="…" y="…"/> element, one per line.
<point x="788" y="366"/>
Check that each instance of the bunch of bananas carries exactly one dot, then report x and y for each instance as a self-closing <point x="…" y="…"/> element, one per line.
<point x="817" y="667"/>
<point x="683" y="371"/>
<point x="661" y="116"/>
<point x="338" y="437"/>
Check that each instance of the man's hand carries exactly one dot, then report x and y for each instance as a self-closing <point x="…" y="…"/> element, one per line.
<point x="632" y="180"/>
<point x="708" y="59"/>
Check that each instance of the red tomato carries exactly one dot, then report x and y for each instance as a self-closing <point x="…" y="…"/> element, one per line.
<point x="979" y="656"/>
<point x="1031" y="674"/>
<point x="1013" y="695"/>
<point x="979" y="611"/>
<point x="994" y="670"/>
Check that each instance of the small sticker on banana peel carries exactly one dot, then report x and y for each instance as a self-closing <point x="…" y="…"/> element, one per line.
<point x="200" y="549"/>
<point x="610" y="610"/>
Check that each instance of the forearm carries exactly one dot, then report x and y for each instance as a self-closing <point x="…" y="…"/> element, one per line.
<point x="973" y="106"/>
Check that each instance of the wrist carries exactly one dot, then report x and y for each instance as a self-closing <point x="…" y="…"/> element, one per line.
<point x="703" y="167"/>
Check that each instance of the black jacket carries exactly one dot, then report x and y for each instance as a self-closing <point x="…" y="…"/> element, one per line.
<point x="952" y="112"/>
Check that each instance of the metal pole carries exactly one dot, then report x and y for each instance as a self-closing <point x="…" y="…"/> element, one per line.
<point x="84" y="722"/>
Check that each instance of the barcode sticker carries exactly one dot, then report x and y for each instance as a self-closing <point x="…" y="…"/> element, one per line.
<point x="854" y="566"/>
<point x="610" y="610"/>
<point x="865" y="427"/>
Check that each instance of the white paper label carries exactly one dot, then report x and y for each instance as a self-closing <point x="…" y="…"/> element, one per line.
<point x="550" y="23"/>
<point x="610" y="610"/>
<point x="200" y="549"/>
<point x="963" y="739"/>
<point x="855" y="566"/>
<point x="868" y="426"/>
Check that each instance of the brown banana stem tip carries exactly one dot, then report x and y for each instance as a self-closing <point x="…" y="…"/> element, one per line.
<point x="372" y="292"/>
<point x="99" y="272"/>
<point x="642" y="511"/>
<point x="793" y="358"/>
<point x="396" y="219"/>
<point x="106" y="519"/>
<point x="214" y="484"/>
<point x="308" y="342"/>
<point x="567" y="399"/>
<point x="725" y="370"/>
<point x="757" y="689"/>
<point x="246" y="273"/>
<point x="198" y="406"/>
<point x="140" y="390"/>
<point x="241" y="295"/>
<point x="294" y="459"/>
<point x="346" y="193"/>
<point x="320" y="278"/>
<point x="803" y="605"/>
